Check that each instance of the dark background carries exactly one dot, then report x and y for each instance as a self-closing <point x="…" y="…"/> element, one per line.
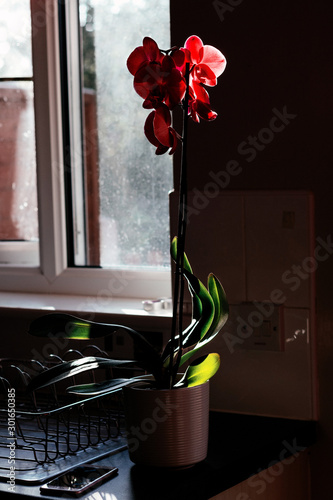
<point x="279" y="54"/>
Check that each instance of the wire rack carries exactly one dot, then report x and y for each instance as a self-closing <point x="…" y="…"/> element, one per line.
<point x="53" y="431"/>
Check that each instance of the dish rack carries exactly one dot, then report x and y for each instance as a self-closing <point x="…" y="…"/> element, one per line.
<point x="45" y="433"/>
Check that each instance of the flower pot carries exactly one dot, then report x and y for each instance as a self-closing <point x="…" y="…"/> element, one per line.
<point x="167" y="428"/>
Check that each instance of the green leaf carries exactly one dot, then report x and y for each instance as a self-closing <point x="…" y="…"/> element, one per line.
<point x="67" y="326"/>
<point x="196" y="307"/>
<point x="199" y="326"/>
<point x="201" y="370"/>
<point x="72" y="368"/>
<point x="202" y="324"/>
<point x="202" y="312"/>
<point x="173" y="252"/>
<point x="219" y="297"/>
<point x="70" y="327"/>
<point x="107" y="386"/>
<point x="221" y="312"/>
<point x="196" y="302"/>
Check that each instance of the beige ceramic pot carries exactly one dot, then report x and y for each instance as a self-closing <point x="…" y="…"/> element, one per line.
<point x="167" y="428"/>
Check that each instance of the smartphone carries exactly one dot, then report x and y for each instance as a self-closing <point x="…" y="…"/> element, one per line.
<point x="78" y="480"/>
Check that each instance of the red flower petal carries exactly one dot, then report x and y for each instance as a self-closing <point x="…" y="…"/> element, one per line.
<point x="204" y="110"/>
<point x="179" y="58"/>
<point x="199" y="92"/>
<point x="187" y="59"/>
<point x="151" y="102"/>
<point x="151" y="49"/>
<point x="149" y="52"/>
<point x="194" y="44"/>
<point x="175" y="140"/>
<point x="213" y="58"/>
<point x="168" y="64"/>
<point x="162" y="122"/>
<point x="148" y="79"/>
<point x="200" y="104"/>
<point x="161" y="150"/>
<point x="136" y="59"/>
<point x="149" y="133"/>
<point x="194" y="115"/>
<point x="173" y="82"/>
<point x="149" y="129"/>
<point x="175" y="88"/>
<point x="204" y="75"/>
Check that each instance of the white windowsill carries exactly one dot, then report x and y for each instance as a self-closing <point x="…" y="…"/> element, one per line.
<point x="81" y="304"/>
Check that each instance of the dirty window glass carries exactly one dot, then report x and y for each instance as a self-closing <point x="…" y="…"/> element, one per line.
<point x="128" y="185"/>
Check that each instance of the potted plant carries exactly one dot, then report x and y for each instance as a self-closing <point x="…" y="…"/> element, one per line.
<point x="167" y="412"/>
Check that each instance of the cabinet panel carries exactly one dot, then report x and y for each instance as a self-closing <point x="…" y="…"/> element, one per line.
<point x="287" y="480"/>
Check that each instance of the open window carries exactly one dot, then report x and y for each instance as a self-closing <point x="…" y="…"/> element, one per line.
<point x="102" y="209"/>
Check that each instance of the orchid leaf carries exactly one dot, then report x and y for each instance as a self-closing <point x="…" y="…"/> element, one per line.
<point x="196" y="303"/>
<point x="72" y="368"/>
<point x="106" y="386"/>
<point x="202" y="325"/>
<point x="221" y="305"/>
<point x="70" y="327"/>
<point x="199" y="327"/>
<point x="202" y="309"/>
<point x="221" y="311"/>
<point x="201" y="370"/>
<point x="173" y="252"/>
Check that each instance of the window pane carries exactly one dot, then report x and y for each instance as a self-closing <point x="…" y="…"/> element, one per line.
<point x="15" y="39"/>
<point x="18" y="200"/>
<point x="18" y="195"/>
<point x="131" y="209"/>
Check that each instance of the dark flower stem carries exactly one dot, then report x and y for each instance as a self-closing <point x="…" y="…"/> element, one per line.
<point x="178" y="296"/>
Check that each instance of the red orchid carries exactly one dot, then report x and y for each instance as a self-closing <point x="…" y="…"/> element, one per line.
<point x="149" y="52"/>
<point x="208" y="62"/>
<point x="199" y="104"/>
<point x="159" y="80"/>
<point x="159" y="132"/>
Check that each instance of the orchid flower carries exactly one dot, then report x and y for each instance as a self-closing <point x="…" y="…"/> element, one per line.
<point x="159" y="132"/>
<point x="208" y="62"/>
<point x="149" y="52"/>
<point x="159" y="80"/>
<point x="199" y="104"/>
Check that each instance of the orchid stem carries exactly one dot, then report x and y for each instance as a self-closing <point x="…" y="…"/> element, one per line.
<point x="178" y="297"/>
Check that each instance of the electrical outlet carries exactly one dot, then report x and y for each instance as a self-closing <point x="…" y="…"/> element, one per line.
<point x="256" y="326"/>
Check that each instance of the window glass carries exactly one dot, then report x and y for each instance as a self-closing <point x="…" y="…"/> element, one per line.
<point x="18" y="198"/>
<point x="127" y="185"/>
<point x="15" y="39"/>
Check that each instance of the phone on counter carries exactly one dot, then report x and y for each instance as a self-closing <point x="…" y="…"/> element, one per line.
<point x="79" y="479"/>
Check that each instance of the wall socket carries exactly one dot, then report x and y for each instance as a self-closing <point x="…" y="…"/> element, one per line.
<point x="256" y="326"/>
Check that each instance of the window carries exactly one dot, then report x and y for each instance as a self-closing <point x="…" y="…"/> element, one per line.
<point x="133" y="183"/>
<point x="102" y="226"/>
<point x="18" y="194"/>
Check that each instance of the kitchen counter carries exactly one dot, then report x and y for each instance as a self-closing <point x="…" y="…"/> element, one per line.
<point x="239" y="447"/>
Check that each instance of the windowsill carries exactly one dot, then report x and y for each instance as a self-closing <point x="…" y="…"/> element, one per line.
<point x="75" y="303"/>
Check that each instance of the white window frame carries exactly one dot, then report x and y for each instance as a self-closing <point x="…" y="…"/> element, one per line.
<point x="52" y="275"/>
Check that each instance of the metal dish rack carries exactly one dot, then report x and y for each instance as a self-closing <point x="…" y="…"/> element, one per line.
<point x="53" y="431"/>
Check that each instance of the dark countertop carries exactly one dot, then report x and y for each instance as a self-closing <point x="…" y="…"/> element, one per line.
<point x="239" y="447"/>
